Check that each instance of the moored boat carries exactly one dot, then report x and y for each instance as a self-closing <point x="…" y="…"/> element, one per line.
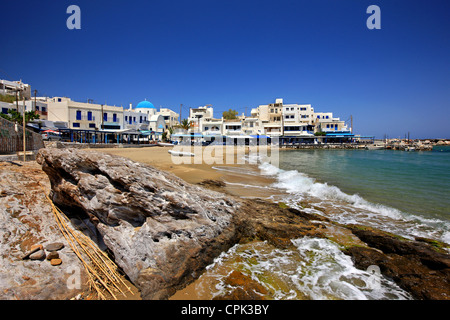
<point x="165" y="144"/>
<point x="181" y="153"/>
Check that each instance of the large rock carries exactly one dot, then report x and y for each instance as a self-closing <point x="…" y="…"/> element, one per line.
<point x="416" y="266"/>
<point x="27" y="223"/>
<point x="162" y="230"/>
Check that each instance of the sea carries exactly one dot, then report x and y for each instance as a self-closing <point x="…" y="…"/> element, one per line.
<point x="405" y="193"/>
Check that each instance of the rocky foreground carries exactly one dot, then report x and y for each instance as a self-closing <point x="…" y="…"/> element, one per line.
<point x="163" y="232"/>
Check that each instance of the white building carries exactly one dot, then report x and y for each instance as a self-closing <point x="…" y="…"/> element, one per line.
<point x="170" y="117"/>
<point x="80" y="115"/>
<point x="295" y="120"/>
<point x="12" y="87"/>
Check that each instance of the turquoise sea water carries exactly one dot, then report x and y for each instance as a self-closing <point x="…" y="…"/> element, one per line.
<point x="413" y="182"/>
<point x="406" y="193"/>
<point x="404" y="186"/>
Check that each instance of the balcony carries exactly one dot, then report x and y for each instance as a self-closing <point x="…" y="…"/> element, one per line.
<point x="85" y="118"/>
<point x="111" y="120"/>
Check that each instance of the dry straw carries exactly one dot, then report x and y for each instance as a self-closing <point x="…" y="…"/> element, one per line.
<point x="102" y="271"/>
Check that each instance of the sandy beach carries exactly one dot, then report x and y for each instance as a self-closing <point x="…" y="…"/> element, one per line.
<point x="194" y="173"/>
<point x="160" y="158"/>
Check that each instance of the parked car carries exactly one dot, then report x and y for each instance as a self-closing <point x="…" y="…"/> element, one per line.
<point x="51" y="136"/>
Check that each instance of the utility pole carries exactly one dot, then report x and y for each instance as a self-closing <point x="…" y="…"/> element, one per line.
<point x="351" y="124"/>
<point x="35" y="91"/>
<point x="24" y="138"/>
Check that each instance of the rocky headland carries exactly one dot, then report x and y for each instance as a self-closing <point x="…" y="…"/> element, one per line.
<point x="162" y="231"/>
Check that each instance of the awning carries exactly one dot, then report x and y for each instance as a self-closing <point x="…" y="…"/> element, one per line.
<point x="190" y="135"/>
<point x="51" y="131"/>
<point x="239" y="137"/>
<point x="146" y="132"/>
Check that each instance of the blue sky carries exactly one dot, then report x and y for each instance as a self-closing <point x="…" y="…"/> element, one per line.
<point x="239" y="54"/>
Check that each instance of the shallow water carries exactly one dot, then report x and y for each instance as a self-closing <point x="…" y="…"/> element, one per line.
<point x="315" y="269"/>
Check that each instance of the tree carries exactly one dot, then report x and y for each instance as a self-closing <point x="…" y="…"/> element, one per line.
<point x="13" y="115"/>
<point x="230" y="114"/>
<point x="185" y="124"/>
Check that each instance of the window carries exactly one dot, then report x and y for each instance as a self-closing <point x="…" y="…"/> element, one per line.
<point x="140" y="119"/>
<point x="206" y="128"/>
<point x="327" y="117"/>
<point x="78" y="114"/>
<point x="90" y="115"/>
<point x="5" y="110"/>
<point x="105" y="116"/>
<point x="328" y="125"/>
<point x="271" y="110"/>
<point x="91" y="125"/>
<point x="59" y="99"/>
<point x="37" y="108"/>
<point x="318" y="117"/>
<point x="76" y="125"/>
<point x="115" y="117"/>
<point x="126" y="118"/>
<point x="43" y="109"/>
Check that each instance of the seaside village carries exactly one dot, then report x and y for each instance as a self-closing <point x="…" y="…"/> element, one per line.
<point x="294" y="125"/>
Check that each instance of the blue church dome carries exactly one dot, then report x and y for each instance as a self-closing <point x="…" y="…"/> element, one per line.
<point x="145" y="104"/>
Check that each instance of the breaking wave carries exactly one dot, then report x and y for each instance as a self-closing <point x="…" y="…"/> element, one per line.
<point x="345" y="208"/>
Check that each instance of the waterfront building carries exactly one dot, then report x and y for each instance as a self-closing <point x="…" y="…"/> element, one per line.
<point x="325" y="122"/>
<point x="170" y="117"/>
<point x="79" y="115"/>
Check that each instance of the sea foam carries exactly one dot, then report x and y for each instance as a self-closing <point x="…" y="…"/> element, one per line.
<point x="352" y="208"/>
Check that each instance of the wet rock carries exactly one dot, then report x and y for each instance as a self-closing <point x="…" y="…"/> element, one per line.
<point x="54" y="246"/>
<point x="242" y="288"/>
<point x="414" y="265"/>
<point x="38" y="255"/>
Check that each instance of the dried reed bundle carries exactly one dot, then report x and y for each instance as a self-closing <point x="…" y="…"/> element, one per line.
<point x="102" y="271"/>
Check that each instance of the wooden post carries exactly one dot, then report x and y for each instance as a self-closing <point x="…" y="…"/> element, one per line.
<point x="24" y="137"/>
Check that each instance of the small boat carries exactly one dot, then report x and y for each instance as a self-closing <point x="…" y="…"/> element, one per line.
<point x="374" y="147"/>
<point x="410" y="149"/>
<point x="181" y="154"/>
<point x="165" y="144"/>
